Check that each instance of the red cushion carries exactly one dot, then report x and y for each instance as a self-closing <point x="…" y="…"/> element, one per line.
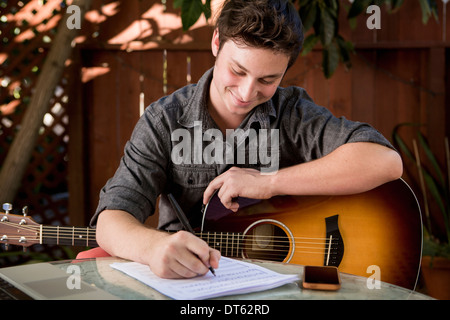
<point x="93" y="253"/>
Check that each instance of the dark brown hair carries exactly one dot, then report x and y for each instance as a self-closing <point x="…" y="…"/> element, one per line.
<point x="270" y="24"/>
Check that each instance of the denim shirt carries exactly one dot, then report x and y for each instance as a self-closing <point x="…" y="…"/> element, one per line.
<point x="154" y="164"/>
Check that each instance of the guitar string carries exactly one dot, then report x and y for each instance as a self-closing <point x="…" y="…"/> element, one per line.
<point x="225" y="249"/>
<point x="69" y="231"/>
<point x="216" y="235"/>
<point x="220" y="235"/>
<point x="88" y="234"/>
<point x="233" y="250"/>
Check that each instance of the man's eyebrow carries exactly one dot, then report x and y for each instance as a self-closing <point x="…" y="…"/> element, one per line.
<point x="276" y="75"/>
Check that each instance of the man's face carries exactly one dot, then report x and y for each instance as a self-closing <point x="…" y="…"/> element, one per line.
<point x="244" y="77"/>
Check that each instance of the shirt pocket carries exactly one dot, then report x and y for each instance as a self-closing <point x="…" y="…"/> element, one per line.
<point x="193" y="177"/>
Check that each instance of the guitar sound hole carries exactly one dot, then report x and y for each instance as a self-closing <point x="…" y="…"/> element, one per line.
<point x="266" y="242"/>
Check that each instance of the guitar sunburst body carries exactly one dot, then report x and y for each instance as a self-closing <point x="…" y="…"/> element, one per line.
<point x="376" y="231"/>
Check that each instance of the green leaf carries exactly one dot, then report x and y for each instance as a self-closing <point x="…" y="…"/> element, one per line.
<point x="435" y="249"/>
<point x="431" y="157"/>
<point x="207" y="9"/>
<point x="177" y="3"/>
<point x="433" y="188"/>
<point x="396" y="4"/>
<point x="330" y="60"/>
<point x="328" y="29"/>
<point x="303" y="2"/>
<point x="308" y="15"/>
<point x="333" y="7"/>
<point x="345" y="49"/>
<point x="358" y="6"/>
<point x="426" y="10"/>
<point x="399" y="141"/>
<point x="191" y="11"/>
<point x="309" y="43"/>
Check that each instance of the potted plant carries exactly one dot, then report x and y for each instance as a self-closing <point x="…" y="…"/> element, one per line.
<point x="433" y="182"/>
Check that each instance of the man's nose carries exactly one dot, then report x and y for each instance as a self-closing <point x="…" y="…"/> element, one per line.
<point x="247" y="90"/>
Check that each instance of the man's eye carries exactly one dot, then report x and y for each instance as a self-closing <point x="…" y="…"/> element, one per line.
<point x="266" y="81"/>
<point x="237" y="72"/>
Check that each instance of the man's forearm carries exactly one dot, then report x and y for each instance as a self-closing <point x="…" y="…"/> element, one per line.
<point x="117" y="230"/>
<point x="352" y="168"/>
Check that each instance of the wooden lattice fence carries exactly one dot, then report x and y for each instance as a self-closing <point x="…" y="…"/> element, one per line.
<point x="27" y="31"/>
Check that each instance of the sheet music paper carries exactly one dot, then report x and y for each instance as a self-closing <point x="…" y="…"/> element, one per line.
<point x="232" y="277"/>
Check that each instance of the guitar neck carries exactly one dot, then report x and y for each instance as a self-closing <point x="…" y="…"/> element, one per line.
<point x="70" y="236"/>
<point x="228" y="243"/>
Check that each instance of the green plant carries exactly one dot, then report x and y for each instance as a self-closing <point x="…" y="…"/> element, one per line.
<point x="434" y="184"/>
<point x="191" y="10"/>
<point x="321" y="23"/>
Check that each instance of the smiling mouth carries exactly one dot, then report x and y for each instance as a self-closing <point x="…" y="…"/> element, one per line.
<point x="240" y="102"/>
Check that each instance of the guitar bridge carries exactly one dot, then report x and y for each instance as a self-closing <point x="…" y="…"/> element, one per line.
<point x="334" y="245"/>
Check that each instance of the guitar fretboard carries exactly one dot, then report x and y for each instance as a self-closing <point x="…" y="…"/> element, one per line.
<point x="228" y="243"/>
<point x="71" y="236"/>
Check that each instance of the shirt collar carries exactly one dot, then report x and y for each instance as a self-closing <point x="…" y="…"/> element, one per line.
<point x="197" y="108"/>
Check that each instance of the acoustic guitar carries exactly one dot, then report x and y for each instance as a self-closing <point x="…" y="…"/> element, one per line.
<point x="376" y="230"/>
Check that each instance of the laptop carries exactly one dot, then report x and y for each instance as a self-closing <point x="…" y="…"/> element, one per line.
<point x="44" y="281"/>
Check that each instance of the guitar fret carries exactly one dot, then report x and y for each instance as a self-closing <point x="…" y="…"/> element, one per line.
<point x="220" y="242"/>
<point x="226" y="246"/>
<point x="238" y="245"/>
<point x="223" y="241"/>
<point x="232" y="244"/>
<point x="215" y="241"/>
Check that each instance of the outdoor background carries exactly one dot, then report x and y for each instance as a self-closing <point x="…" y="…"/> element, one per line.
<point x="130" y="53"/>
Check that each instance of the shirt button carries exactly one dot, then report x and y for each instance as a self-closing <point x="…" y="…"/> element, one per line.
<point x="190" y="180"/>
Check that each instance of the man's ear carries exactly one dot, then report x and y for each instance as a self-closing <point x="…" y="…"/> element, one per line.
<point x="215" y="43"/>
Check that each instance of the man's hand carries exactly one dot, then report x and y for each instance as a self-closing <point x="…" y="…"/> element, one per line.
<point x="181" y="255"/>
<point x="178" y="255"/>
<point x="239" y="182"/>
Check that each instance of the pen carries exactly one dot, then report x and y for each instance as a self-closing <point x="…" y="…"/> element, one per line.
<point x="184" y="220"/>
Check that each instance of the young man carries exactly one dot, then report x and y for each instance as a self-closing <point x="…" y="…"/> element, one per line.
<point x="316" y="153"/>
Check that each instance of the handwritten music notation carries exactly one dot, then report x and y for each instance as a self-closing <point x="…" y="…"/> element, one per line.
<point x="232" y="277"/>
